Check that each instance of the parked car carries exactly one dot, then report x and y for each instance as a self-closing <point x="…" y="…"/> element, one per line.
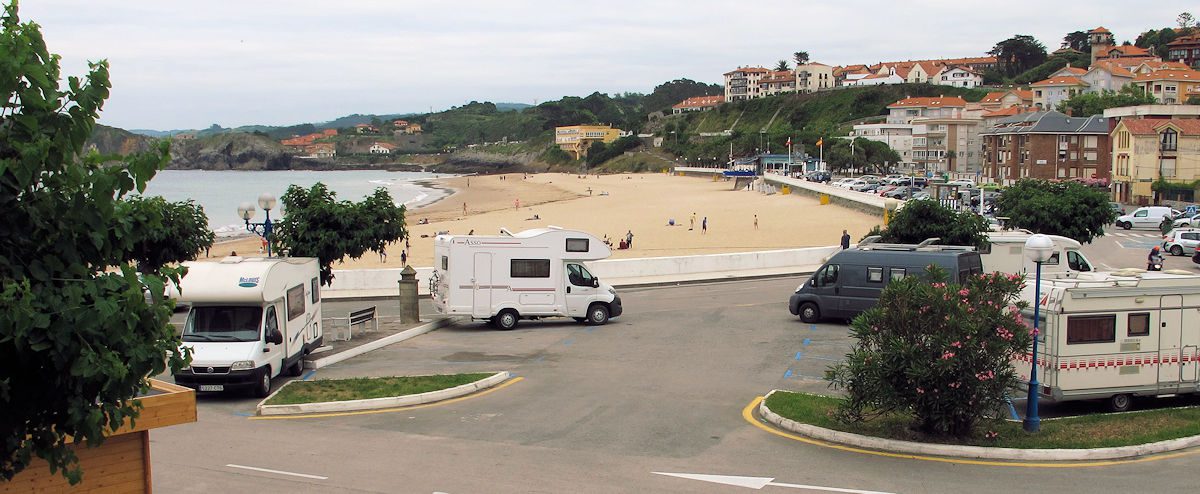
<point x="883" y="190"/>
<point x="859" y="185"/>
<point x="818" y="177"/>
<point x="970" y="184"/>
<point x="1117" y="208"/>
<point x="990" y="186"/>
<point x="1181" y="241"/>
<point x="842" y="182"/>
<point x="1145" y="217"/>
<point x="902" y="192"/>
<point x="1187" y="221"/>
<point x="870" y="188"/>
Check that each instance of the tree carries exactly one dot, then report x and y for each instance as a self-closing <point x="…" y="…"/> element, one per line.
<point x="78" y="333"/>
<point x="1157" y="40"/>
<point x="174" y="231"/>
<point x="1087" y="104"/>
<point x="669" y="93"/>
<point x="939" y="351"/>
<point x="1018" y="54"/>
<point x="800" y="57"/>
<point x="1078" y="40"/>
<point x="318" y="225"/>
<point x="1186" y="22"/>
<point x="923" y="219"/>
<point x="782" y="65"/>
<point x="1070" y="209"/>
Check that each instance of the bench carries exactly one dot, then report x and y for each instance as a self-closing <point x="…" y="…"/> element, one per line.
<point x="361" y="316"/>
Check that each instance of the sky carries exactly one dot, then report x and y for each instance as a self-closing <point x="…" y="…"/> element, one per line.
<point x="188" y="65"/>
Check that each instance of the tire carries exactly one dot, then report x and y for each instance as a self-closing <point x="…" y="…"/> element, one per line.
<point x="296" y="369"/>
<point x="262" y="388"/>
<point x="1176" y="250"/>
<point x="1120" y="403"/>
<point x="1127" y="225"/>
<point x="809" y="312"/>
<point x="507" y="320"/>
<point x="597" y="315"/>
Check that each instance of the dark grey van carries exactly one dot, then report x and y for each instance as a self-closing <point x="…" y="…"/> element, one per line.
<point x="850" y="282"/>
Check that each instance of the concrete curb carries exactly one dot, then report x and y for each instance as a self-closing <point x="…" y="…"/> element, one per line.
<point x="378" y="403"/>
<point x="974" y="452"/>
<point x="377" y="344"/>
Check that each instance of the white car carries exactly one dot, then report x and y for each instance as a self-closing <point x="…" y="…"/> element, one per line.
<point x="1187" y="221"/>
<point x="1182" y="241"/>
<point x="842" y="182"/>
<point x="970" y="184"/>
<point x="859" y="185"/>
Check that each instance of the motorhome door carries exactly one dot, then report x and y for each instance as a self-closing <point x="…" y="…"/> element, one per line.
<point x="273" y="352"/>
<point x="481" y="286"/>
<point x="1170" y="339"/>
<point x="579" y="289"/>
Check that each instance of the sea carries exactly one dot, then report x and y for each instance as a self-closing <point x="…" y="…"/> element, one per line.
<point x="221" y="191"/>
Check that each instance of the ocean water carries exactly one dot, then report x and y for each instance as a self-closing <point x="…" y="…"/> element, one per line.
<point x="220" y="192"/>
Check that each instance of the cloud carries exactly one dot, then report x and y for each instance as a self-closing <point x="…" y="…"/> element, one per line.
<point x="188" y="65"/>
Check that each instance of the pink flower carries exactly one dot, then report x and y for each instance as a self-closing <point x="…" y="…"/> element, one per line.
<point x="964" y="292"/>
<point x="957" y="344"/>
<point x="947" y="355"/>
<point x="920" y="391"/>
<point x="955" y="384"/>
<point x="984" y="376"/>
<point x="939" y="285"/>
<point x="991" y="434"/>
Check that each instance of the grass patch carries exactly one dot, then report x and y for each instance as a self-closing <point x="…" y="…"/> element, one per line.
<point x="1088" y="431"/>
<point x="366" y="387"/>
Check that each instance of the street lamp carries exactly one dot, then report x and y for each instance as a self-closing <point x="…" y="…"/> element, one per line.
<point x="1038" y="248"/>
<point x="246" y="212"/>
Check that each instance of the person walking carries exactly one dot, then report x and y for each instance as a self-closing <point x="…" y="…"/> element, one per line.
<point x="383" y="255"/>
<point x="692" y="223"/>
<point x="756" y="222"/>
<point x="845" y="240"/>
<point x="629" y="239"/>
<point x="404" y="257"/>
<point x="704" y="225"/>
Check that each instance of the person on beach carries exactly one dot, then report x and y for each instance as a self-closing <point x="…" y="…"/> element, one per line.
<point x="845" y="240"/>
<point x="383" y="255"/>
<point x="629" y="239"/>
<point x="464" y="208"/>
<point x="517" y="203"/>
<point x="233" y="253"/>
<point x="704" y="225"/>
<point x="692" y="222"/>
<point x="404" y="257"/>
<point x="756" y="222"/>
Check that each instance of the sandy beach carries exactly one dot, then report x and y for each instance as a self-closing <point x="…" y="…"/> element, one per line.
<point x="641" y="203"/>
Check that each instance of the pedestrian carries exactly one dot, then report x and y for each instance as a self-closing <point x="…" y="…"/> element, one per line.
<point x="845" y="240"/>
<point x="404" y="257"/>
<point x="517" y="203"/>
<point x="629" y="239"/>
<point x="704" y="225"/>
<point x="383" y="255"/>
<point x="692" y="222"/>
<point x="206" y="250"/>
<point x="464" y="208"/>
<point x="233" y="253"/>
<point x="756" y="222"/>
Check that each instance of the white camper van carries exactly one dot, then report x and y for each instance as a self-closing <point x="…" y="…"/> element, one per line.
<point x="1115" y="336"/>
<point x="1006" y="253"/>
<point x="528" y="275"/>
<point x="250" y="320"/>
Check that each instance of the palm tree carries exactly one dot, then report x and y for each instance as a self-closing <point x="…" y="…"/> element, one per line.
<point x="781" y="65"/>
<point x="801" y="57"/>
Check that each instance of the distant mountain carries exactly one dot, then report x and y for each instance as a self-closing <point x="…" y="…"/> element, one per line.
<point x="512" y="106"/>
<point x="111" y="140"/>
<point x="158" y="133"/>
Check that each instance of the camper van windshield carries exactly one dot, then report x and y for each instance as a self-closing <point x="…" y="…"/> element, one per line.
<point x="223" y="323"/>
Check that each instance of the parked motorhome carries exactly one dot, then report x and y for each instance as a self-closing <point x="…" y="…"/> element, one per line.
<point x="250" y="320"/>
<point x="528" y="275"/>
<point x="851" y="281"/>
<point x="1006" y="253"/>
<point x="1115" y="336"/>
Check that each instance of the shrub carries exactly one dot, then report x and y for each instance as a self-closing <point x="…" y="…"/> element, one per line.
<point x="940" y="351"/>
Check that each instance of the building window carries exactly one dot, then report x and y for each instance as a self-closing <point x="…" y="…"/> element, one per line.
<point x="1167" y="166"/>
<point x="1091" y="142"/>
<point x="1091" y="329"/>
<point x="1139" y="324"/>
<point x="1169" y="140"/>
<point x="530" y="268"/>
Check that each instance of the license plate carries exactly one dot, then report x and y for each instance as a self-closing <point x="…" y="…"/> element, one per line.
<point x="212" y="387"/>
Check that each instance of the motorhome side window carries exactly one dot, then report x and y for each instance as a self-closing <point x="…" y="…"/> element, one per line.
<point x="1052" y="261"/>
<point x="1139" y="324"/>
<point x="529" y="268"/>
<point x="1091" y="329"/>
<point x="1077" y="262"/>
<point x="295" y="302"/>
<point x="445" y="262"/>
<point x="316" y="290"/>
<point x="896" y="274"/>
<point x="875" y="275"/>
<point x="577" y="245"/>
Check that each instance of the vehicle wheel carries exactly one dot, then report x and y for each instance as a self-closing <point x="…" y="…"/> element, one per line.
<point x="263" y="387"/>
<point x="809" y="312"/>
<point x="597" y="314"/>
<point x="1120" y="403"/>
<point x="507" y="319"/>
<point x="1127" y="225"/>
<point x="1176" y="250"/>
<point x="580" y="319"/>
<point x="297" y="368"/>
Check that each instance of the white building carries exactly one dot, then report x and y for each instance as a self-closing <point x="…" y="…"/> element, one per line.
<point x="897" y="136"/>
<point x="382" y="148"/>
<point x="813" y="76"/>
<point x="957" y="77"/>
<point x="742" y="84"/>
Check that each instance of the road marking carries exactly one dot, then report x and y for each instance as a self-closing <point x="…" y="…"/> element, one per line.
<point x="759" y="482"/>
<point x="493" y="389"/>
<point x="308" y="375"/>
<point x="280" y="472"/>
<point x="748" y="415"/>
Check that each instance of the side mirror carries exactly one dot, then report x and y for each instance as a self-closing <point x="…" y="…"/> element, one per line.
<point x="595" y="282"/>
<point x="275" y="337"/>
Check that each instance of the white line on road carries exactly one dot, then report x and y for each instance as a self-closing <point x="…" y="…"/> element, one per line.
<point x="280" y="472"/>
<point x="759" y="482"/>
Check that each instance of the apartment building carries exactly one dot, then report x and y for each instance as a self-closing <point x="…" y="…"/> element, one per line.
<point x="697" y="103"/>
<point x="907" y="109"/>
<point x="948" y="144"/>
<point x="1106" y="75"/>
<point x="742" y="84"/>
<point x="1049" y="93"/>
<point x="576" y="139"/>
<point x="1046" y="145"/>
<point x="999" y="100"/>
<point x="958" y="77"/>
<point x="899" y="137"/>
<point x="1170" y="86"/>
<point x="777" y="82"/>
<point x="1185" y="50"/>
<point x="1149" y="149"/>
<point x="812" y="77"/>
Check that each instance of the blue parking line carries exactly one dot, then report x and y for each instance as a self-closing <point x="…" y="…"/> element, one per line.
<point x="806" y="341"/>
<point x="798" y="355"/>
<point x="244" y="414"/>
<point x="812" y="327"/>
<point x="308" y="375"/>
<point x="788" y="374"/>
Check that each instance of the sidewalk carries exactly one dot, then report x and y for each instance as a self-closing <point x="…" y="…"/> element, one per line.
<point x="391" y="330"/>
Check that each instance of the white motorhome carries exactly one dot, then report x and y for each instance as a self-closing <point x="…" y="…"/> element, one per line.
<point x="1115" y="336"/>
<point x="528" y="275"/>
<point x="1006" y="253"/>
<point x="250" y="320"/>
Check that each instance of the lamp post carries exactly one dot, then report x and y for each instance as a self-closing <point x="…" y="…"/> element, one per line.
<point x="1038" y="248"/>
<point x="246" y="211"/>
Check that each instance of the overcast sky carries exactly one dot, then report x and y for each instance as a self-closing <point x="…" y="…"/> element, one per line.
<point x="192" y="64"/>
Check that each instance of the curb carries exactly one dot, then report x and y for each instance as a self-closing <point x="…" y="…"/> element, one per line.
<point x="701" y="281"/>
<point x="377" y="344"/>
<point x="377" y="403"/>
<point x="974" y="452"/>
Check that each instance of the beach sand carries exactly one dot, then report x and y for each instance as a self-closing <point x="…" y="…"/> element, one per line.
<point x="641" y="203"/>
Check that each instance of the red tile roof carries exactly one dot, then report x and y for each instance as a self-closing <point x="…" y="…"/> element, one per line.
<point x="993" y="97"/>
<point x="1170" y="75"/>
<point x="1024" y="94"/>
<point x="1099" y="30"/>
<point x="1073" y="70"/>
<point x="756" y="70"/>
<point x="1007" y="112"/>
<point x="1190" y="39"/>
<point x="1060" y="81"/>
<point x="1112" y="67"/>
<point x="1147" y="126"/>
<point x="939" y="102"/>
<point x="700" y="102"/>
<point x="1130" y="51"/>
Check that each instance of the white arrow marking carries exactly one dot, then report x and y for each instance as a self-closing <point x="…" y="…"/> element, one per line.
<point x="759" y="482"/>
<point x="280" y="472"/>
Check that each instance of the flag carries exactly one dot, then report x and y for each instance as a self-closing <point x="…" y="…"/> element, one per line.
<point x="789" y="142"/>
<point x="820" y="141"/>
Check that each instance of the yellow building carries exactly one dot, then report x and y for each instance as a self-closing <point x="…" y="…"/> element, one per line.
<point x="1145" y="150"/>
<point x="1170" y="86"/>
<point x="576" y="139"/>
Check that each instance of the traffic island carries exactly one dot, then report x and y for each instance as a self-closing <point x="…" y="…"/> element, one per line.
<point x="344" y="395"/>
<point x="1091" y="437"/>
